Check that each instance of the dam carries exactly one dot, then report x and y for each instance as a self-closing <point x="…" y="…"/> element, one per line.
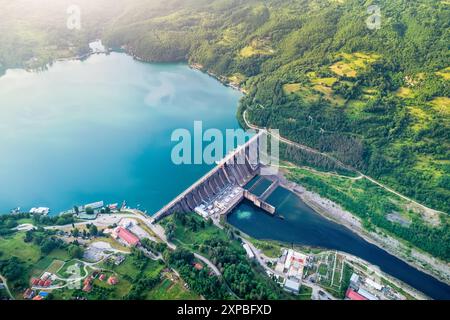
<point x="222" y="189"/>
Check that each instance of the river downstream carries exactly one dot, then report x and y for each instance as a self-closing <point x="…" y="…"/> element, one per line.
<point x="302" y="225"/>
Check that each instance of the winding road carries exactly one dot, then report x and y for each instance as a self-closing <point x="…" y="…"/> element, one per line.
<point x="5" y="284"/>
<point x="362" y="175"/>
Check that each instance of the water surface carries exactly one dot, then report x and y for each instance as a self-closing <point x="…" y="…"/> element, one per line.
<point x="302" y="225"/>
<point x="100" y="129"/>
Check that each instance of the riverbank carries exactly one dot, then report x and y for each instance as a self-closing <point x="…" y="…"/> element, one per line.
<point x="274" y="247"/>
<point x="332" y="211"/>
<point x="184" y="173"/>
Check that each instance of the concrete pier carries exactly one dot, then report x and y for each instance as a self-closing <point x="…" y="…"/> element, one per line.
<point x="257" y="201"/>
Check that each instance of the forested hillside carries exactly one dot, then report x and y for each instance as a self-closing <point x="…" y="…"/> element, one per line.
<point x="377" y="99"/>
<point x="34" y="33"/>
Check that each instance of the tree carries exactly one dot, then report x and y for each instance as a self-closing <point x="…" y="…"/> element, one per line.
<point x="93" y="231"/>
<point x="75" y="232"/>
<point x="48" y="245"/>
<point x="76" y="252"/>
<point x="28" y="236"/>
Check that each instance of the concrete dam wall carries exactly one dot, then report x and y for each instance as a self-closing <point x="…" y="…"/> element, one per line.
<point x="237" y="168"/>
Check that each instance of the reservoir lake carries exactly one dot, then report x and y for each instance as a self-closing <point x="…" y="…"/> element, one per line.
<point x="100" y="129"/>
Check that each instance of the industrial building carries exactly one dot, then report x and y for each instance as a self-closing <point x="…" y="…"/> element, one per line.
<point x="292" y="264"/>
<point x="292" y="285"/>
<point x="40" y="210"/>
<point x="126" y="236"/>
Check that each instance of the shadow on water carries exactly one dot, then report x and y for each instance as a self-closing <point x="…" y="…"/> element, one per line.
<point x="302" y="225"/>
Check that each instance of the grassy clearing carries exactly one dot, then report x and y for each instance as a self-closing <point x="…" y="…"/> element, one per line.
<point x="193" y="239"/>
<point x="304" y="92"/>
<point x="64" y="271"/>
<point x="355" y="108"/>
<point x="257" y="47"/>
<point x="55" y="266"/>
<point x="153" y="268"/>
<point x="434" y="169"/>
<point x="305" y="293"/>
<point x="441" y="105"/>
<point x="421" y="119"/>
<point x="127" y="268"/>
<point x="351" y="63"/>
<point x="269" y="248"/>
<point x="42" y="265"/>
<point x="14" y="246"/>
<point x="405" y="93"/>
<point x="292" y="88"/>
<point x="237" y="78"/>
<point x="445" y="73"/>
<point x="229" y="36"/>
<point x="324" y="81"/>
<point x="315" y="89"/>
<point x="59" y="254"/>
<point x="329" y="95"/>
<point x="169" y="290"/>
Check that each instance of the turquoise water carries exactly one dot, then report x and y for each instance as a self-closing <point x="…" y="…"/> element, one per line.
<point x="100" y="129"/>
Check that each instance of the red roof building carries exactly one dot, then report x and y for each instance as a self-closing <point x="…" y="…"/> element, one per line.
<point x="127" y="236"/>
<point x="47" y="283"/>
<point x="34" y="281"/>
<point x="38" y="298"/>
<point x="87" y="281"/>
<point x="113" y="280"/>
<point x="198" y="266"/>
<point x="41" y="283"/>
<point x="102" y="277"/>
<point x="353" y="295"/>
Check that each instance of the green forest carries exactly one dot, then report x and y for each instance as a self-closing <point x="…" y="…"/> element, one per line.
<point x="377" y="99"/>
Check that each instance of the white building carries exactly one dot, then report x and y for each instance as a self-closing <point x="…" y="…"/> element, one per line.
<point x="40" y="210"/>
<point x="249" y="251"/>
<point x="294" y="264"/>
<point x="292" y="285"/>
<point x="200" y="210"/>
<point x="367" y="294"/>
<point x="373" y="284"/>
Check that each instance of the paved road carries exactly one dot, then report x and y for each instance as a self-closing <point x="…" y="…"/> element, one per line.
<point x="6" y="286"/>
<point x="262" y="261"/>
<point x="209" y="263"/>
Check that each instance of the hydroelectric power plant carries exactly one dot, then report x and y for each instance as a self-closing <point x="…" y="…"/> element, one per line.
<point x="222" y="188"/>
